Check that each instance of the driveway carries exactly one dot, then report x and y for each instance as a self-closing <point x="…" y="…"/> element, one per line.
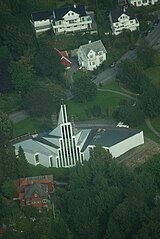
<point x="18" y="116"/>
<point x="74" y="67"/>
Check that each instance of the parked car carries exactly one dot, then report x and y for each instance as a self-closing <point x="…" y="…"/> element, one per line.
<point x="113" y="64"/>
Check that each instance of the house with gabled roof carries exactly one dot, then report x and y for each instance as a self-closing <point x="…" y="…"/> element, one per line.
<point x="41" y="21"/>
<point x="35" y="191"/>
<point x="71" y="18"/>
<point x="65" y="146"/>
<point x="91" y="55"/>
<point x="123" y="19"/>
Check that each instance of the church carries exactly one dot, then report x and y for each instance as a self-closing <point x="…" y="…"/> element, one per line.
<point x="64" y="146"/>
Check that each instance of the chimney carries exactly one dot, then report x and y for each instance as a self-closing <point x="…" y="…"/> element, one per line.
<point x="89" y="41"/>
<point x="74" y="5"/>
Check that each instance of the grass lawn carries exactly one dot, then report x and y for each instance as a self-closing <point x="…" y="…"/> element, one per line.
<point x="106" y="100"/>
<point x="148" y="133"/>
<point x="31" y="126"/>
<point x="113" y="85"/>
<point x="156" y="123"/>
<point x="154" y="74"/>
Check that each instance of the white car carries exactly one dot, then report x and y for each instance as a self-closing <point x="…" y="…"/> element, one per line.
<point x="122" y="125"/>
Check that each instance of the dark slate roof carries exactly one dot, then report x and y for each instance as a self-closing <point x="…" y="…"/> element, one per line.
<point x="39" y="188"/>
<point x="109" y="136"/>
<point x="39" y="16"/>
<point x="116" y="13"/>
<point x="44" y="141"/>
<point x="60" y="12"/>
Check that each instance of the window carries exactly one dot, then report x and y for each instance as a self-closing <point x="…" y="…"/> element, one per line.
<point x="51" y="161"/>
<point x="60" y="22"/>
<point x="36" y="157"/>
<point x="93" y="63"/>
<point x="91" y="56"/>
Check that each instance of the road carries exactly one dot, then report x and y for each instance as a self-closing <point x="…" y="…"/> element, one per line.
<point x="111" y="72"/>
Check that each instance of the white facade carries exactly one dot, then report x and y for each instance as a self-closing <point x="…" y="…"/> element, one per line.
<point x="91" y="55"/>
<point x="123" y="21"/>
<point x="65" y="146"/>
<point x="42" y="26"/>
<point x="71" y="21"/>
<point x="139" y="3"/>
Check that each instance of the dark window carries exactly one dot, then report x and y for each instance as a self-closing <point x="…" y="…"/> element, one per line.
<point x="37" y="158"/>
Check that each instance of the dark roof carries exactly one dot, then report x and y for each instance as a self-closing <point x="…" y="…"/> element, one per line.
<point x="109" y="136"/>
<point x="39" y="188"/>
<point x="38" y="16"/>
<point x="44" y="141"/>
<point x="60" y="12"/>
<point x="116" y="13"/>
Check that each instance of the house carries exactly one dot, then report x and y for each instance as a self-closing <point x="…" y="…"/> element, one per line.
<point x="35" y="191"/>
<point x="139" y="3"/>
<point x="64" y="58"/>
<point x="41" y="21"/>
<point x="65" y="145"/>
<point x="123" y="19"/>
<point x="91" y="55"/>
<point x="71" y="18"/>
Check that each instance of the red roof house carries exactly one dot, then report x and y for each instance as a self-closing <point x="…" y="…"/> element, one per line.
<point x="64" y="58"/>
<point x="35" y="191"/>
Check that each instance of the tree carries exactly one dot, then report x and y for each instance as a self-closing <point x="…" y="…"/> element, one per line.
<point x="23" y="166"/>
<point x="84" y="90"/>
<point x="129" y="113"/>
<point x="42" y="101"/>
<point x="6" y="126"/>
<point x="151" y="101"/>
<point x="23" y="78"/>
<point x="146" y="54"/>
<point x="47" y="63"/>
<point x="9" y="188"/>
<point x="5" y="77"/>
<point x="131" y="74"/>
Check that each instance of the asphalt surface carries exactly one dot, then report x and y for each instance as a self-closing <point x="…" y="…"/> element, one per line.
<point x="111" y="72"/>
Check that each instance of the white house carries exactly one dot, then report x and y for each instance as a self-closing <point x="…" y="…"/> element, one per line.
<point x="41" y="21"/>
<point x="91" y="55"/>
<point x="139" y="3"/>
<point x="123" y="19"/>
<point x="71" y="18"/>
<point x="64" y="146"/>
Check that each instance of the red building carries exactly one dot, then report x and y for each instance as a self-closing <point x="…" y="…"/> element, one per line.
<point x="35" y="191"/>
<point x="64" y="58"/>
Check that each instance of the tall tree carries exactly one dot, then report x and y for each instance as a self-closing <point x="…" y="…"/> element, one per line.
<point x="23" y="166"/>
<point x="84" y="90"/>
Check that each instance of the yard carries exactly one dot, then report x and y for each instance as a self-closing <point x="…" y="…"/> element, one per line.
<point x="105" y="103"/>
<point x="31" y="125"/>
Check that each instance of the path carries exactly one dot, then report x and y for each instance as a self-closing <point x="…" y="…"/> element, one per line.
<point x="150" y="126"/>
<point x="118" y="92"/>
<point x="18" y="116"/>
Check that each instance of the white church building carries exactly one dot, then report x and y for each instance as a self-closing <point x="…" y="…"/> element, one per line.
<point x="64" y="146"/>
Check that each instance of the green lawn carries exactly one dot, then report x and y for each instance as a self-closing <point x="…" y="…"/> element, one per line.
<point x="106" y="100"/>
<point x="113" y="85"/>
<point x="156" y="123"/>
<point x="148" y="133"/>
<point x="30" y="126"/>
<point x="154" y="74"/>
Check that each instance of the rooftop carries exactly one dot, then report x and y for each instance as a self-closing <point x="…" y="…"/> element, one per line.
<point x="109" y="136"/>
<point x="95" y="46"/>
<point x="116" y="13"/>
<point x="61" y="12"/>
